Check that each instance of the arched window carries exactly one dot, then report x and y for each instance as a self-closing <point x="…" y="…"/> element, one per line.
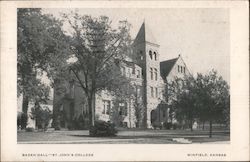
<point x="150" y="54"/>
<point x="155" y="56"/>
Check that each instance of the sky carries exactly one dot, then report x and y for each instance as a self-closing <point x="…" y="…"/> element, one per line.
<point x="201" y="36"/>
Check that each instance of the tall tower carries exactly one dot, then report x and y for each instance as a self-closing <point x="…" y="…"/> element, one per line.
<point x="146" y="54"/>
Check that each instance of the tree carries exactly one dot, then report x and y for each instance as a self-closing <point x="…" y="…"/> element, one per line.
<point x="139" y="107"/>
<point x="98" y="49"/>
<point x="183" y="100"/>
<point x="205" y="97"/>
<point x="214" y="97"/>
<point x="41" y="47"/>
<point x="41" y="115"/>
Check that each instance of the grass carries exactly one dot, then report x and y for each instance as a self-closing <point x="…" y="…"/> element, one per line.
<point x="124" y="136"/>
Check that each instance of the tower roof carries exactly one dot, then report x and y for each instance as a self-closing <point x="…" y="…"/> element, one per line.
<point x="145" y="35"/>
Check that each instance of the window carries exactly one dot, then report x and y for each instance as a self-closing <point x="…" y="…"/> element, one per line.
<point x="123" y="71"/>
<point x="129" y="72"/>
<point x="155" y="55"/>
<point x="181" y="69"/>
<point x="184" y="70"/>
<point x="106" y="107"/>
<point x="138" y="91"/>
<point x="152" y="91"/>
<point x="156" y="92"/>
<point x="133" y="70"/>
<point x="123" y="108"/>
<point x="150" y="54"/>
<point x="138" y="74"/>
<point x="155" y="74"/>
<point x="164" y="113"/>
<point x="151" y="74"/>
<point x="141" y="55"/>
<point x="178" y="68"/>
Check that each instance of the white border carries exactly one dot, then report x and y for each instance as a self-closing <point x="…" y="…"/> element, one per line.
<point x="238" y="149"/>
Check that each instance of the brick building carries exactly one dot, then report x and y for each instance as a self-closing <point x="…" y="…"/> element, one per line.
<point x="150" y="78"/>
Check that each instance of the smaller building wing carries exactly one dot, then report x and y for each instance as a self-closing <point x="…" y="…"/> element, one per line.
<point x="166" y="66"/>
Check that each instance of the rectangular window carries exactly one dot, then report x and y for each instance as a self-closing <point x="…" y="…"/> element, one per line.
<point x="141" y="55"/>
<point x="156" y="92"/>
<point x="138" y="91"/>
<point x="138" y="74"/>
<point x="133" y="70"/>
<point x="129" y="72"/>
<point x="155" y="74"/>
<point x="178" y="68"/>
<point x="152" y="91"/>
<point x="181" y="69"/>
<point x="123" y="71"/>
<point x="151" y="74"/>
<point x="164" y="113"/>
<point x="123" y="109"/>
<point x="106" y="107"/>
<point x="184" y="70"/>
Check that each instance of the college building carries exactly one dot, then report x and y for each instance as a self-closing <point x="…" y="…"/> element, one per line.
<point x="146" y="108"/>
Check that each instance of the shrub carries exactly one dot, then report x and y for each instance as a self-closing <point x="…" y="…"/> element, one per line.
<point x="42" y="117"/>
<point x="167" y="125"/>
<point x="156" y="125"/>
<point x="102" y="128"/>
<point x="80" y="123"/>
<point x="29" y="129"/>
<point x="23" y="120"/>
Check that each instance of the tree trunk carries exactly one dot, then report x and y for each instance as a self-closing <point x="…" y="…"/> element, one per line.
<point x="203" y="125"/>
<point x="191" y="125"/>
<point x="91" y="107"/>
<point x="210" y="128"/>
<point x="56" y="110"/>
<point x="25" y="103"/>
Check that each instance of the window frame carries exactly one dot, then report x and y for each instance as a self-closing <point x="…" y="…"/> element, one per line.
<point x="150" y="54"/>
<point x="156" y="74"/>
<point x="156" y="92"/>
<point x="106" y="107"/>
<point x="155" y="56"/>
<point x="151" y="73"/>
<point x="152" y="91"/>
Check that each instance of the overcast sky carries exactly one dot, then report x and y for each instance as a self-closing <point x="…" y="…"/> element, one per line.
<point x="201" y="36"/>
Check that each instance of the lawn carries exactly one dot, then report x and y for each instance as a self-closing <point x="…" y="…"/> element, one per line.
<point x="129" y="136"/>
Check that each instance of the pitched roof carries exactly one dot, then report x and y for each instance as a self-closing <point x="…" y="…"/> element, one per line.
<point x="166" y="66"/>
<point x="145" y="35"/>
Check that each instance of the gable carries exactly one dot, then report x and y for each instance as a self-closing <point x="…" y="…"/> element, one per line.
<point x="166" y="67"/>
<point x="179" y="70"/>
<point x="174" y="68"/>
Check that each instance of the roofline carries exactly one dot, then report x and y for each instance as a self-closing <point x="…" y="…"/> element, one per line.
<point x="154" y="44"/>
<point x="185" y="64"/>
